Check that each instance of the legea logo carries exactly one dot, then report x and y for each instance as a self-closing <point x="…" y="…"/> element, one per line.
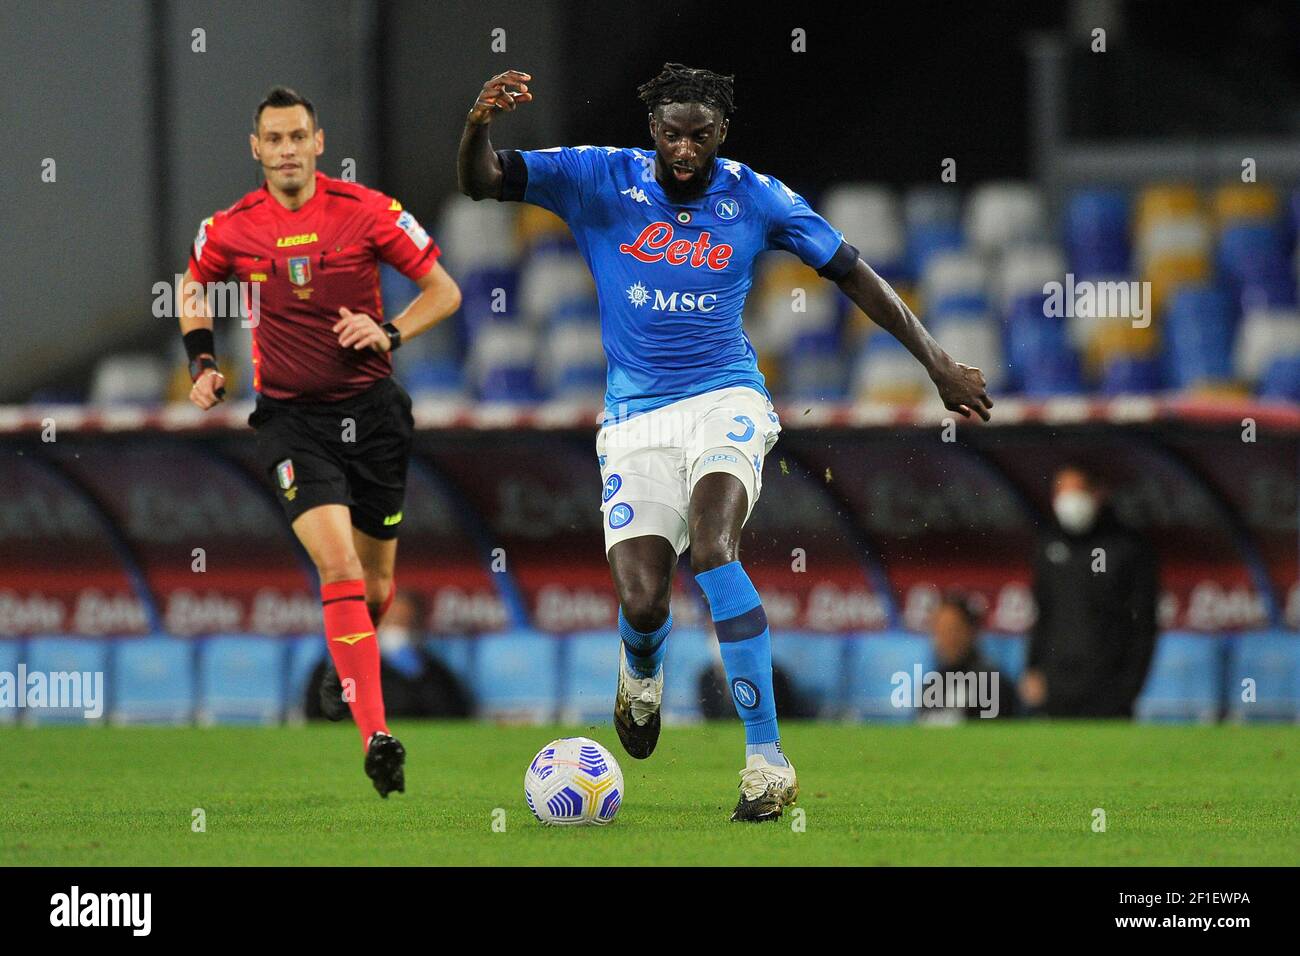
<point x="656" y="243"/>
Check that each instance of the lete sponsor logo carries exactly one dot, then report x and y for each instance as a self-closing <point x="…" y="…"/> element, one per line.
<point x="656" y="243"/>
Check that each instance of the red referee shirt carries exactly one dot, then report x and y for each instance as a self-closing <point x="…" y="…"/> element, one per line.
<point x="308" y="263"/>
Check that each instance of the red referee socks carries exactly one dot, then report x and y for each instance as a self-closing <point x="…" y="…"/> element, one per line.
<point x="354" y="647"/>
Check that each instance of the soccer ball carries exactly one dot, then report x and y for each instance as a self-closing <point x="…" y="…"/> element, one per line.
<point x="574" y="781"/>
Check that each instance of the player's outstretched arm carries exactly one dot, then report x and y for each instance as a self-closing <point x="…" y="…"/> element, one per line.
<point x="477" y="168"/>
<point x="962" y="387"/>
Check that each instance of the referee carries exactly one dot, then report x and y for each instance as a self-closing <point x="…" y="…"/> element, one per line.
<point x="333" y="428"/>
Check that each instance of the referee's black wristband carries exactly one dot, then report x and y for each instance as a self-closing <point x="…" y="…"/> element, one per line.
<point x="199" y="342"/>
<point x="394" y="336"/>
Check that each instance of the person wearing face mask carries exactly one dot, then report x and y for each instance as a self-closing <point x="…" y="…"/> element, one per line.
<point x="1096" y="584"/>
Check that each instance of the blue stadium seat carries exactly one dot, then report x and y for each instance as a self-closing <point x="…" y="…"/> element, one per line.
<point x="691" y="651"/>
<point x="1096" y="231"/>
<point x="479" y="294"/>
<point x="816" y="376"/>
<point x="153" y="681"/>
<point x="814" y="662"/>
<point x="924" y="241"/>
<point x="10" y="654"/>
<point x="1185" y="682"/>
<point x="1040" y="358"/>
<point x="305" y="653"/>
<point x="1129" y="374"/>
<point x="590" y="661"/>
<point x="69" y="655"/>
<point x="1272" y="660"/>
<point x="1007" y="652"/>
<point x="1199" y="325"/>
<point x="241" y="680"/>
<point x="1281" y="379"/>
<point x="873" y="659"/>
<point x="1252" y="251"/>
<point x="435" y="378"/>
<point x="516" y="676"/>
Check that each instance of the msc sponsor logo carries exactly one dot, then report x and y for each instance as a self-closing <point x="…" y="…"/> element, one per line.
<point x="300" y="240"/>
<point x="639" y="295"/>
<point x="656" y="244"/>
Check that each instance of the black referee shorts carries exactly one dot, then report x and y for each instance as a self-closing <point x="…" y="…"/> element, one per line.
<point x="352" y="452"/>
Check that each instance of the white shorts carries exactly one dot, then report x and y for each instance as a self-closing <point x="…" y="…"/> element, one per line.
<point x="649" y="463"/>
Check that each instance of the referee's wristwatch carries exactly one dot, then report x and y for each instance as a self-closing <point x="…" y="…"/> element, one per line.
<point x="200" y="364"/>
<point x="394" y="336"/>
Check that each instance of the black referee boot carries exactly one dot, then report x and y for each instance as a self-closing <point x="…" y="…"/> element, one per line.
<point x="386" y="763"/>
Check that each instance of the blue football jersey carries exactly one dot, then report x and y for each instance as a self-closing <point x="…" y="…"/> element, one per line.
<point x="671" y="277"/>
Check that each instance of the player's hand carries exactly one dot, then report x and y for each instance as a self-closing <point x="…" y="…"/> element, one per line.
<point x="203" y="392"/>
<point x="503" y="92"/>
<point x="962" y="388"/>
<point x="358" y="331"/>
<point x="1033" y="688"/>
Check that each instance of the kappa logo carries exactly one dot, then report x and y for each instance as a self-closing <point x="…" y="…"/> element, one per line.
<point x="637" y="194"/>
<point x="656" y="243"/>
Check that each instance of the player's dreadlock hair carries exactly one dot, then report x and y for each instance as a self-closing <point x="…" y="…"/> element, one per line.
<point x="681" y="84"/>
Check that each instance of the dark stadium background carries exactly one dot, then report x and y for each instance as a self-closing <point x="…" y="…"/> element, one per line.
<point x="150" y="137"/>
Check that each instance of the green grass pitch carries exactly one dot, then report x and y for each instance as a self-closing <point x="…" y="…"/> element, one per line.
<point x="979" y="794"/>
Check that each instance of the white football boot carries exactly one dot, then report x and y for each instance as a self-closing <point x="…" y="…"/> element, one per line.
<point x="636" y="709"/>
<point x="764" y="790"/>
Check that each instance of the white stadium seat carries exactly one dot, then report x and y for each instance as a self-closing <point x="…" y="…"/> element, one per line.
<point x="869" y="218"/>
<point x="130" y="379"/>
<point x="1002" y="213"/>
<point x="1264" y="335"/>
<point x="476" y="235"/>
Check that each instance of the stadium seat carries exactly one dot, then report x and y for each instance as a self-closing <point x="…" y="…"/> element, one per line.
<point x="977" y="338"/>
<point x="1236" y="202"/>
<point x="931" y="205"/>
<point x="819" y="375"/>
<point x="1281" y="379"/>
<point x="590" y="662"/>
<point x="516" y="675"/>
<point x="434" y="379"/>
<point x="1271" y="659"/>
<point x="957" y="279"/>
<point x="153" y="681"/>
<point x="926" y="241"/>
<point x="691" y="651"/>
<point x="869" y="217"/>
<point x="1001" y="214"/>
<point x="572" y="363"/>
<point x="489" y="295"/>
<point x="1006" y="652"/>
<point x="1097" y="232"/>
<point x="1040" y="359"/>
<point x="886" y="372"/>
<point x="1161" y="202"/>
<point x="538" y="229"/>
<point x="10" y="653"/>
<point x="1026" y="270"/>
<point x="131" y="379"/>
<point x="873" y="660"/>
<point x="1263" y="336"/>
<point x="550" y="280"/>
<point x="69" y="655"/>
<point x="1198" y="329"/>
<point x="1253" y="252"/>
<point x="1185" y="682"/>
<point x="1131" y="375"/>
<point x="475" y="235"/>
<point x="814" y="662"/>
<point x="241" y="680"/>
<point x="500" y="363"/>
